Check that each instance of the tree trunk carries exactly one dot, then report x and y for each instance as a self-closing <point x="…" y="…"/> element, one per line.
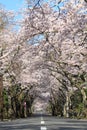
<point x="84" y="95"/>
<point x="1" y="97"/>
<point x="66" y="106"/>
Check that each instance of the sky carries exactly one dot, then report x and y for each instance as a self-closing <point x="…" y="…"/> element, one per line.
<point x="12" y="4"/>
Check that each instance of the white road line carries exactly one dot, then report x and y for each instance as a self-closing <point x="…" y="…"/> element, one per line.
<point x="41" y="118"/>
<point x="42" y="122"/>
<point x="43" y="128"/>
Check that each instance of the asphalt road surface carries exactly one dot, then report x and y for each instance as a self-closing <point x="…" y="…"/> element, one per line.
<point x="44" y="122"/>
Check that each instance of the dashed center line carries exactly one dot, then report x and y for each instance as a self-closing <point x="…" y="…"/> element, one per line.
<point x="43" y="128"/>
<point x="42" y="122"/>
<point x="41" y="118"/>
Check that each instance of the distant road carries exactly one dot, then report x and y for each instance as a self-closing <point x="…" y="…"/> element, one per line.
<point x="44" y="122"/>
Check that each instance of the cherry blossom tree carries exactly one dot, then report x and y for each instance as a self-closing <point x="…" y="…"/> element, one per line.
<point x="48" y="50"/>
<point x="66" y="33"/>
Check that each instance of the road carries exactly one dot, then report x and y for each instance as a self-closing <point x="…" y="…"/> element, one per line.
<point x="44" y="122"/>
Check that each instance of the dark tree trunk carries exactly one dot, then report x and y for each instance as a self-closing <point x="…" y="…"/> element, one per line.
<point x="1" y="97"/>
